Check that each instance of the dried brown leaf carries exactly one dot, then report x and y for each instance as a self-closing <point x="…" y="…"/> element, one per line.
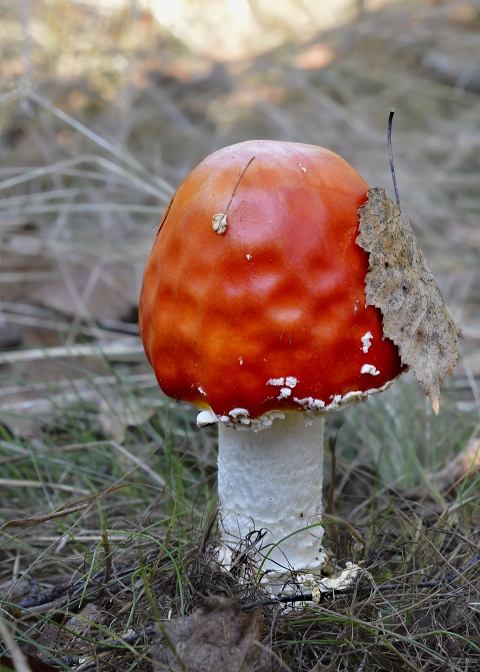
<point x="216" y="637"/>
<point x="402" y="286"/>
<point x="69" y="636"/>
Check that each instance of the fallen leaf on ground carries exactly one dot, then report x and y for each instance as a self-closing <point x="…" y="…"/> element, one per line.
<point x="68" y="637"/>
<point x="402" y="286"/>
<point x="216" y="637"/>
<point x="81" y="625"/>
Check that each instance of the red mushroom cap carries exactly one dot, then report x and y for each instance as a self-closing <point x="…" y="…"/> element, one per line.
<point x="270" y="314"/>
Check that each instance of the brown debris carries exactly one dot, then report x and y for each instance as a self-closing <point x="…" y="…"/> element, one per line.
<point x="402" y="286"/>
<point x="216" y="637"/>
<point x="38" y="520"/>
<point x="465" y="464"/>
<point x="103" y="291"/>
<point x="33" y="662"/>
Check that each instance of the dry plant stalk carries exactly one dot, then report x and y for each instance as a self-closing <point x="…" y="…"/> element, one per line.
<point x="465" y="464"/>
<point x="18" y="658"/>
<point x="402" y="286"/>
<point x="38" y="520"/>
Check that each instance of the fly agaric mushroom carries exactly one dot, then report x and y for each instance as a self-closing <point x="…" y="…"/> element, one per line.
<point x="253" y="308"/>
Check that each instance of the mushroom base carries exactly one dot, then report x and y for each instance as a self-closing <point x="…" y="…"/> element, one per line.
<point x="270" y="482"/>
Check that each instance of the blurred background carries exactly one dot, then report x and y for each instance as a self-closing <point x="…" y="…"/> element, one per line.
<point x="106" y="105"/>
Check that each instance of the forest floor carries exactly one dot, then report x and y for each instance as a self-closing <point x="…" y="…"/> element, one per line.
<point x="107" y="487"/>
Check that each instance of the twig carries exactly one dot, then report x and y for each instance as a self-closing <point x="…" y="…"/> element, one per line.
<point x="63" y="593"/>
<point x="128" y="639"/>
<point x="307" y="597"/>
<point x="236" y="186"/>
<point x="390" y="156"/>
<point x="38" y="520"/>
<point x="121" y="643"/>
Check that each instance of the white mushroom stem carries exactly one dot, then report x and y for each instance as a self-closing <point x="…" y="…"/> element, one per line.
<point x="271" y="480"/>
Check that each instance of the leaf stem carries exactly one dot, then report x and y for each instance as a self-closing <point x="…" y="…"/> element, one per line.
<point x="390" y="155"/>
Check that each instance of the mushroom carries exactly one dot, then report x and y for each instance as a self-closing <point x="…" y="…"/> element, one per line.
<point x="253" y="308"/>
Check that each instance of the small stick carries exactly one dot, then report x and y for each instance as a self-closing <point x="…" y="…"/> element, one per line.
<point x="307" y="597"/>
<point x="390" y="155"/>
<point x="236" y="186"/>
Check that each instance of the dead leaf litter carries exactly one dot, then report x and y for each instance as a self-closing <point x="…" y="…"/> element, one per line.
<point x="400" y="283"/>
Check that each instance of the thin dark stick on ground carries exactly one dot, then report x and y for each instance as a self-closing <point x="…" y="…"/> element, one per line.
<point x="307" y="597"/>
<point x="71" y="591"/>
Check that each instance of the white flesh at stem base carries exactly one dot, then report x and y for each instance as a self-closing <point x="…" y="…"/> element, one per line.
<point x="271" y="481"/>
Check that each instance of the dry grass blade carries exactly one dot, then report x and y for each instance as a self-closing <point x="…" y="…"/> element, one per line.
<point x="465" y="464"/>
<point x="22" y="483"/>
<point x="140" y="464"/>
<point x="129" y="352"/>
<point x="98" y="139"/>
<point x="38" y="520"/>
<point x="64" y="167"/>
<point x="19" y="660"/>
